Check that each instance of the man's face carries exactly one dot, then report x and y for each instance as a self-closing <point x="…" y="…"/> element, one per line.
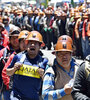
<point x="63" y="58"/>
<point x="14" y="41"/>
<point x="5" y="21"/>
<point x="33" y="48"/>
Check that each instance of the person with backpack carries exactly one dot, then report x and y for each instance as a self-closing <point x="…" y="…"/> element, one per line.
<point x="58" y="79"/>
<point x="81" y="88"/>
<point x="27" y="69"/>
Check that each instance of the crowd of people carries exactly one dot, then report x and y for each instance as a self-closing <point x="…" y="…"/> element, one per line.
<point x="24" y="73"/>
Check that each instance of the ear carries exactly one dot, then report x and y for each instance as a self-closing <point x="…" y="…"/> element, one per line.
<point x="43" y="44"/>
<point x="26" y="42"/>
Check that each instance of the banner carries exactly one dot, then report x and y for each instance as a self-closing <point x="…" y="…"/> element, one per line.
<point x="27" y="70"/>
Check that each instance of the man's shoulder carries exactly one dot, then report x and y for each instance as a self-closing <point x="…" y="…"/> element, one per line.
<point x="50" y="70"/>
<point x="21" y="55"/>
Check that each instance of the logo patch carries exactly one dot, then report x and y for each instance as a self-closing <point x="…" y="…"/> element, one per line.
<point x="34" y="35"/>
<point x="63" y="38"/>
<point x="64" y="46"/>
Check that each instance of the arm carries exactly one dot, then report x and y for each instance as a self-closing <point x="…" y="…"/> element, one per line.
<point x="80" y="86"/>
<point x="42" y="67"/>
<point x="13" y="66"/>
<point x="88" y="29"/>
<point x="77" y="28"/>
<point x="11" y="71"/>
<point x="1" y="52"/>
<point x="83" y="31"/>
<point x="48" y="91"/>
<point x="5" y="77"/>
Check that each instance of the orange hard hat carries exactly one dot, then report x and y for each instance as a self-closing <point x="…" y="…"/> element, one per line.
<point x="35" y="36"/>
<point x="41" y="13"/>
<point x="77" y="15"/>
<point x="65" y="38"/>
<point x="23" y="34"/>
<point x="63" y="46"/>
<point x="30" y="12"/>
<point x="36" y="12"/>
<point x="85" y="15"/>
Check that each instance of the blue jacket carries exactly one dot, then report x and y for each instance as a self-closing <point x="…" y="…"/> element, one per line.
<point x="24" y="85"/>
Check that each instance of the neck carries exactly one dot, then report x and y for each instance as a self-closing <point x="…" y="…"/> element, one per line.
<point x="32" y="56"/>
<point x="15" y="48"/>
<point x="67" y="68"/>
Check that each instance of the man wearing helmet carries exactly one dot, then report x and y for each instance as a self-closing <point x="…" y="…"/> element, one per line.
<point x="58" y="79"/>
<point x="7" y="81"/>
<point x="27" y="69"/>
<point x="7" y="25"/>
<point x="13" y="46"/>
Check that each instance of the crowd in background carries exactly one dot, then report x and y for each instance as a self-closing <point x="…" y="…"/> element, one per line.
<point x="50" y="23"/>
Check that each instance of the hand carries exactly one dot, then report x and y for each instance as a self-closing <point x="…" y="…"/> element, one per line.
<point x="84" y="38"/>
<point x="77" y="36"/>
<point x="40" y="71"/>
<point x="17" y="66"/>
<point x="67" y="89"/>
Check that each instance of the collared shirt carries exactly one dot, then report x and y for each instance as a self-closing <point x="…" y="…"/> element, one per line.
<point x="49" y="83"/>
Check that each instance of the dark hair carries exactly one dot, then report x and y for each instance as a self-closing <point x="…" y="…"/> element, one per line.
<point x="2" y="28"/>
<point x="16" y="32"/>
<point x="20" y="40"/>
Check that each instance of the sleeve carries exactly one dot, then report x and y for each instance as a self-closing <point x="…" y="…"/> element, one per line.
<point x="1" y="52"/>
<point x="5" y="77"/>
<point x="48" y="91"/>
<point x="43" y="64"/>
<point x="88" y="29"/>
<point x="83" y="31"/>
<point x="79" y="88"/>
<point x="14" y="60"/>
<point x="77" y="28"/>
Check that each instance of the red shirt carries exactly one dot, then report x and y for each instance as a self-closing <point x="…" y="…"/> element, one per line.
<point x="4" y="39"/>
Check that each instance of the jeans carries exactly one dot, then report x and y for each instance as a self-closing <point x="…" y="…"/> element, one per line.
<point x="6" y="94"/>
<point x="85" y="47"/>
